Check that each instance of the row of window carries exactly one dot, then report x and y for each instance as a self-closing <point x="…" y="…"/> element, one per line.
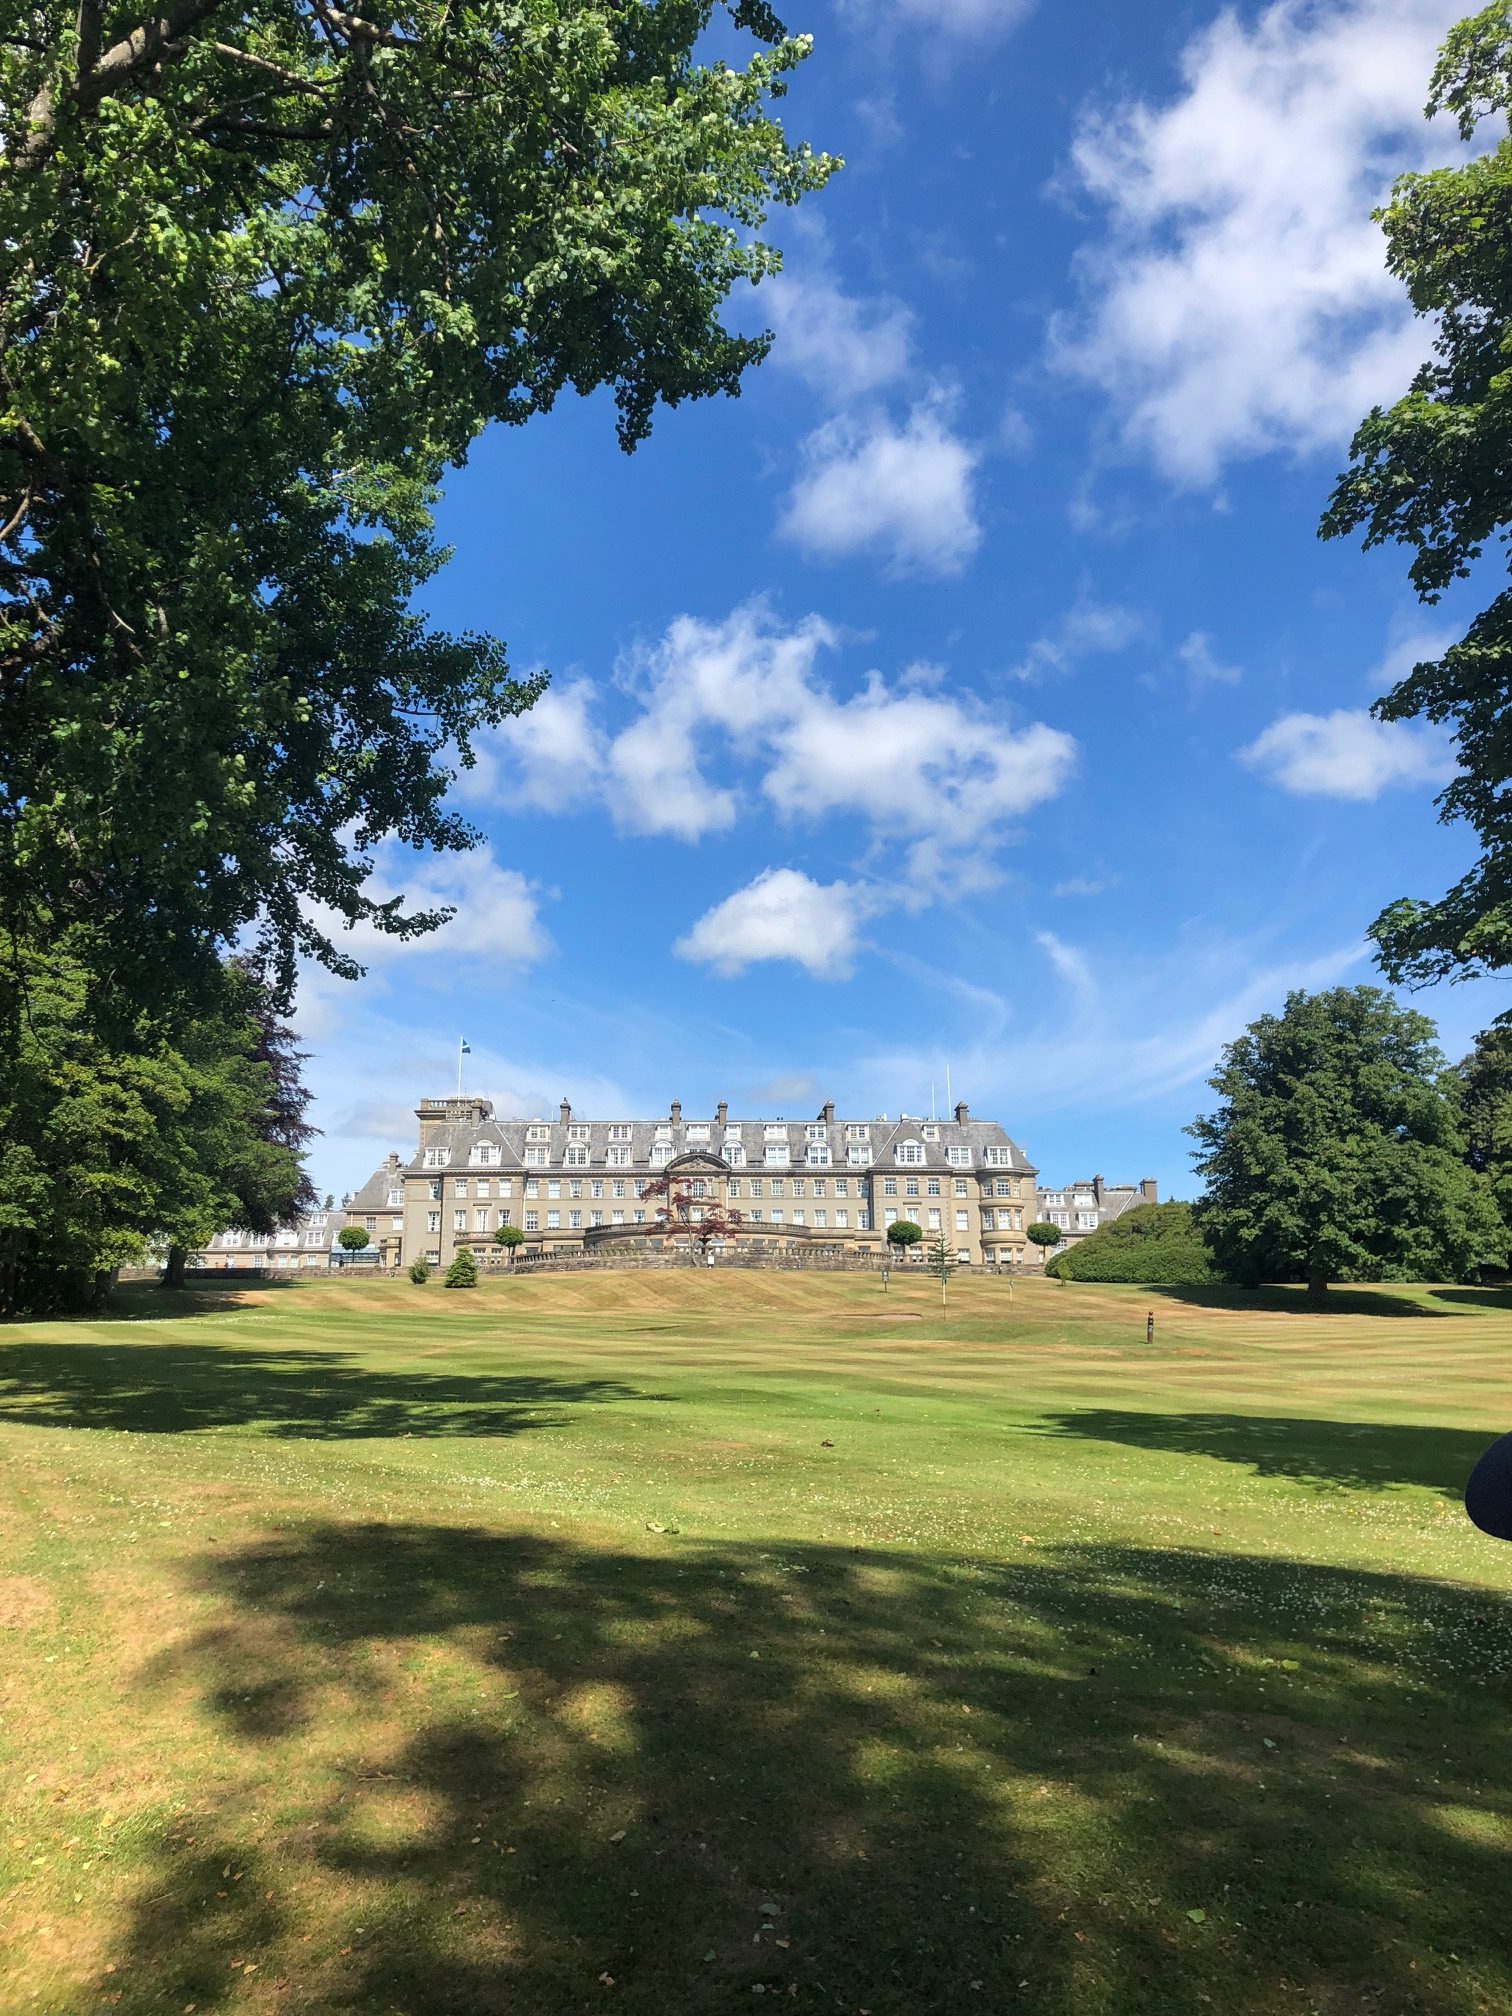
<point x="619" y="1153"/>
<point x="821" y="1220"/>
<point x="962" y="1219"/>
<point x="483" y="1186"/>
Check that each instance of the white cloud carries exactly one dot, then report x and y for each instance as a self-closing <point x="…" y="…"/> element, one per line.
<point x="557" y="751"/>
<point x="906" y="492"/>
<point x="943" y="772"/>
<point x="496" y="915"/>
<point x="1347" y="754"/>
<point x="1239" y="299"/>
<point x="845" y="346"/>
<point x="917" y="763"/>
<point x="1203" y="667"/>
<point x="783" y="914"/>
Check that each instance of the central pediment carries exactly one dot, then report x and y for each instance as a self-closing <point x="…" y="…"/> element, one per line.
<point x="697" y="1162"/>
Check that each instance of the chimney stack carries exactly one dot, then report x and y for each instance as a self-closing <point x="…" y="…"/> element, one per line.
<point x="1149" y="1190"/>
<point x="566" y="1111"/>
<point x="721" y="1113"/>
<point x="963" y="1112"/>
<point x="827" y="1112"/>
<point x="677" y="1112"/>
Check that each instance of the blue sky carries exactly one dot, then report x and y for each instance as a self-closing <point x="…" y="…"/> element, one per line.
<point x="973" y="693"/>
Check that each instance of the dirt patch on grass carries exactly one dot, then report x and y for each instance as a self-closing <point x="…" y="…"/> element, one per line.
<point x="885" y="1316"/>
<point x="25" y="1601"/>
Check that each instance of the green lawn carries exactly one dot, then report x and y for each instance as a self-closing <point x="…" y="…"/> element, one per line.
<point x="662" y="1643"/>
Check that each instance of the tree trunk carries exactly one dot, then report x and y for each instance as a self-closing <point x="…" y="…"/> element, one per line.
<point x="173" y="1272"/>
<point x="1317" y="1285"/>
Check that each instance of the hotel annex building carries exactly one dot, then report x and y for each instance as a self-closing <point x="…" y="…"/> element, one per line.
<point x="574" y="1184"/>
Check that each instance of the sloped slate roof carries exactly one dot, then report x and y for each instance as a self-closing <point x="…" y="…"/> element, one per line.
<point x="460" y="1136"/>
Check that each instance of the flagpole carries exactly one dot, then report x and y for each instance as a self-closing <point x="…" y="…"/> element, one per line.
<point x="460" y="1041"/>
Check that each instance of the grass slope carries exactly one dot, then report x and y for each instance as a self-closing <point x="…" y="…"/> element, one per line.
<point x="664" y="1643"/>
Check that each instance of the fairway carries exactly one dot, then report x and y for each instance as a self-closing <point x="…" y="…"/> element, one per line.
<point x="665" y="1642"/>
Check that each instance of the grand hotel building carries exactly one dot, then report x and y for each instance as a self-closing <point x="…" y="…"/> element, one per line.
<point x="571" y="1184"/>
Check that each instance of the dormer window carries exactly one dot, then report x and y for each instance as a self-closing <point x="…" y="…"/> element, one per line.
<point x="931" y="1133"/>
<point x="857" y="1130"/>
<point x="818" y="1154"/>
<point x="661" y="1150"/>
<point x="734" y="1153"/>
<point x="577" y="1154"/>
<point x="910" y="1151"/>
<point x="697" y="1130"/>
<point x="776" y="1154"/>
<point x="435" y="1158"/>
<point x="578" y="1131"/>
<point x="619" y="1132"/>
<point x="818" y="1131"/>
<point x="537" y="1131"/>
<point x="999" y="1158"/>
<point x="484" y="1154"/>
<point x="396" y="1199"/>
<point x="535" y="1158"/>
<point x="958" y="1158"/>
<point x="858" y="1155"/>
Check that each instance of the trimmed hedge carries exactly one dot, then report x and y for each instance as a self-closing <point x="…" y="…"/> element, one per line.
<point x="1157" y="1244"/>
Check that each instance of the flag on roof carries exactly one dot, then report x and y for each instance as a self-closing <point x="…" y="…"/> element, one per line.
<point x="466" y="1047"/>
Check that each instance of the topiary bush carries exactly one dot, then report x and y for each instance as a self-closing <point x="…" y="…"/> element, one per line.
<point x="419" y="1273"/>
<point x="1157" y="1244"/>
<point x="463" y="1271"/>
<point x="352" y="1239"/>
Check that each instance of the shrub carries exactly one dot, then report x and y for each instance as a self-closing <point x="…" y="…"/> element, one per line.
<point x="463" y="1271"/>
<point x="509" y="1236"/>
<point x="903" y="1232"/>
<point x="351" y="1238"/>
<point x="419" y="1273"/>
<point x="1157" y="1244"/>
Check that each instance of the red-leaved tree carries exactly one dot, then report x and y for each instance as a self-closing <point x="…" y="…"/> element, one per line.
<point x="677" y="1215"/>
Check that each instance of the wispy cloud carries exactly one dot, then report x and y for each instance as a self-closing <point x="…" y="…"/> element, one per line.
<point x="1089" y="629"/>
<point x="1202" y="665"/>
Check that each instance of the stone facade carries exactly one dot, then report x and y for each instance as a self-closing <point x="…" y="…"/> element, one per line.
<point x="825" y="1184"/>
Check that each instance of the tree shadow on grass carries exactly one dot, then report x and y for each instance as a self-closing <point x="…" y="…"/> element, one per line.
<point x="1343" y="1455"/>
<point x="464" y="1772"/>
<point x="1290" y="1299"/>
<point x="174" y="1389"/>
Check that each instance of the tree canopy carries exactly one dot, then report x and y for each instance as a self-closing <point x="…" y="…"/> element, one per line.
<point x="1434" y="473"/>
<point x="904" y="1232"/>
<point x="1337" y="1152"/>
<point x="1484" y="1084"/>
<point x="117" y="1133"/>
<point x="267" y="268"/>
